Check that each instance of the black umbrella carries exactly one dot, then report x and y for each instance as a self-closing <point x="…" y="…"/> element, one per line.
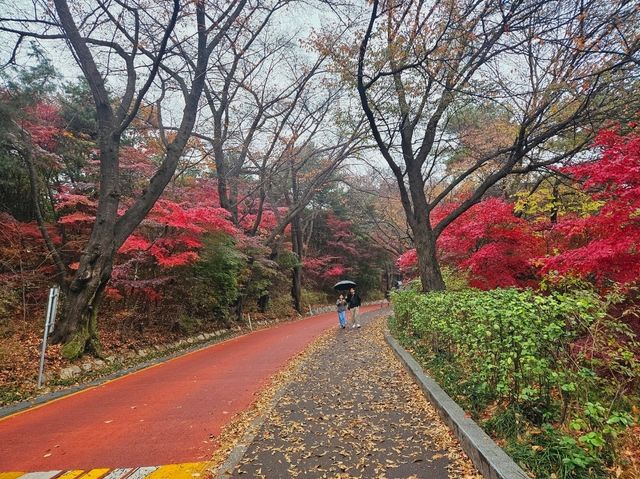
<point x="344" y="285"/>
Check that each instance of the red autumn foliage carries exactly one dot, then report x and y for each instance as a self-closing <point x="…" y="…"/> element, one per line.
<point x="499" y="249"/>
<point x="43" y="124"/>
<point x="604" y="246"/>
<point x="407" y="262"/>
<point x="268" y="222"/>
<point x="489" y="242"/>
<point x="494" y="245"/>
<point x="169" y="237"/>
<point x="75" y="218"/>
<point x="335" y="253"/>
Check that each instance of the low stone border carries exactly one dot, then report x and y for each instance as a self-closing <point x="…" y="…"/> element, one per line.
<point x="225" y="470"/>
<point x="492" y="462"/>
<point x="92" y="364"/>
<point x="146" y="357"/>
<point x="332" y="307"/>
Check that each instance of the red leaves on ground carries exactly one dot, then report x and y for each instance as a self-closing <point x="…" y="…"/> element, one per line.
<point x="76" y="218"/>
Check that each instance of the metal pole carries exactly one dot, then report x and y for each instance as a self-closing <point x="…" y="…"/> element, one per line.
<point x="54" y="311"/>
<point x="49" y="322"/>
<point x="249" y="316"/>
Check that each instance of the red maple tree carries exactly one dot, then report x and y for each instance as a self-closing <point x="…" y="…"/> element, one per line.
<point x="489" y="242"/>
<point x="604" y="246"/>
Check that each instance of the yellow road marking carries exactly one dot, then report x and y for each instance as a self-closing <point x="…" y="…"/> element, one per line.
<point x="11" y="475"/>
<point x="71" y="474"/>
<point x="179" y="471"/>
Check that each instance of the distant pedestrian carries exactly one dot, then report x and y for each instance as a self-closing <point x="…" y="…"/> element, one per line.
<point x="341" y="304"/>
<point x="353" y="305"/>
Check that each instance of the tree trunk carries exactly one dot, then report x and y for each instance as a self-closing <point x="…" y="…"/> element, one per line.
<point x="428" y="266"/>
<point x="424" y="238"/>
<point x="296" y="288"/>
<point x="78" y="329"/>
<point x="296" y="276"/>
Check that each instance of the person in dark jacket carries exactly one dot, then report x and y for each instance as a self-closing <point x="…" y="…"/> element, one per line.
<point x="353" y="304"/>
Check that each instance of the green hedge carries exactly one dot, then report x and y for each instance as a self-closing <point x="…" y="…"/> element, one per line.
<point x="548" y="374"/>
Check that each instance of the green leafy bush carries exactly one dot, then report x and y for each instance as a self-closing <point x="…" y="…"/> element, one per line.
<point x="216" y="277"/>
<point x="523" y="361"/>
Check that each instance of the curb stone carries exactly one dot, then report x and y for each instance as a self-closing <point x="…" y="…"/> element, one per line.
<point x="172" y="350"/>
<point x="225" y="470"/>
<point x="490" y="460"/>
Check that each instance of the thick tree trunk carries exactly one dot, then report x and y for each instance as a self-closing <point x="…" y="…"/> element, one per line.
<point x="423" y="235"/>
<point x="81" y="309"/>
<point x="222" y="170"/>
<point x="428" y="266"/>
<point x="78" y="327"/>
<point x="296" y="288"/>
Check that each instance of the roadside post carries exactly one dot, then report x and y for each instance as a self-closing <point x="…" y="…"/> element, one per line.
<point x="49" y="323"/>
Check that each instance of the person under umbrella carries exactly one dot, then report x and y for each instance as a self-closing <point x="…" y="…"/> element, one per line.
<point x="353" y="305"/>
<point x="341" y="305"/>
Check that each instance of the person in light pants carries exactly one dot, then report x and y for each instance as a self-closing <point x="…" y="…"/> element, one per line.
<point x="353" y="304"/>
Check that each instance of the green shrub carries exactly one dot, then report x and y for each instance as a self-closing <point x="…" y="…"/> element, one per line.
<point x="187" y="325"/>
<point x="313" y="298"/>
<point x="550" y="453"/>
<point x="216" y="277"/>
<point x="556" y="363"/>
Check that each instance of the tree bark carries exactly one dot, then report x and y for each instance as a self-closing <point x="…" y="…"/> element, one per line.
<point x="84" y="293"/>
<point x="428" y="265"/>
<point x="81" y="304"/>
<point x="424" y="236"/>
<point x="296" y="275"/>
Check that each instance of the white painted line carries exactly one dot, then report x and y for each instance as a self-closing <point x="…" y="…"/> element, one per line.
<point x="142" y="472"/>
<point x="118" y="473"/>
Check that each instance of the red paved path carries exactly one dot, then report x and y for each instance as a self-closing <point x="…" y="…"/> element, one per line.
<point x="161" y="415"/>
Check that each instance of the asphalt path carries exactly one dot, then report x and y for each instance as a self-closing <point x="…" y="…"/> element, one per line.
<point x="166" y="414"/>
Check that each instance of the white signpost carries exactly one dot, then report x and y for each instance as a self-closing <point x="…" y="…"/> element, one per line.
<point x="49" y="323"/>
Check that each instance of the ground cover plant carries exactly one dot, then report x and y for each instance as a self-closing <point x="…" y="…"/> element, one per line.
<point x="553" y="377"/>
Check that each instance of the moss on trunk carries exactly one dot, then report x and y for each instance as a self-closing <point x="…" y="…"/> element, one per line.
<point x="85" y="339"/>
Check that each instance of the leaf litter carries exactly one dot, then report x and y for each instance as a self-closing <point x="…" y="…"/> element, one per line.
<point x="349" y="410"/>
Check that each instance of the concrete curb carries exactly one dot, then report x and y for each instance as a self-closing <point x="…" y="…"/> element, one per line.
<point x="225" y="470"/>
<point x="492" y="462"/>
<point x="11" y="409"/>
